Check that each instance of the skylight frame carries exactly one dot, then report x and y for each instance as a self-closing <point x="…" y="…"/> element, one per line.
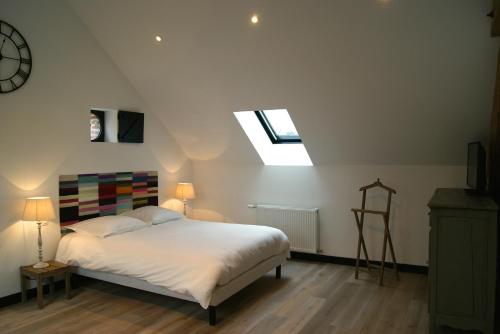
<point x="271" y="133"/>
<point x="270" y="154"/>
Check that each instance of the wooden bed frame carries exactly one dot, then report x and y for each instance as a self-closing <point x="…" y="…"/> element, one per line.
<point x="86" y="196"/>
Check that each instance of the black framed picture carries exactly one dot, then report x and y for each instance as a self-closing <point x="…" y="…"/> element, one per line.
<point x="130" y="127"/>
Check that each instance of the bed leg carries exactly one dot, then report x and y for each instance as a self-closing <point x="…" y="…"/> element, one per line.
<point x="75" y="281"/>
<point x="212" y="315"/>
<point x="278" y="272"/>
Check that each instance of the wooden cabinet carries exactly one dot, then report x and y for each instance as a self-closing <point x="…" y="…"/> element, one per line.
<point x="495" y="25"/>
<point x="462" y="262"/>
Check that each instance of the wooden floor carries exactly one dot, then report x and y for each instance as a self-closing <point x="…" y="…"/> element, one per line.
<point x="310" y="298"/>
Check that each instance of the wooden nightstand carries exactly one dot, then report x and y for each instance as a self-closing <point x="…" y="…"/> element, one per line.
<point x="54" y="268"/>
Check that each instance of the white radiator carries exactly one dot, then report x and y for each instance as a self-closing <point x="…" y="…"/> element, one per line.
<point x="301" y="226"/>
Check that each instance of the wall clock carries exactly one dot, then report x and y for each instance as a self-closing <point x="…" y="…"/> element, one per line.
<point x="15" y="59"/>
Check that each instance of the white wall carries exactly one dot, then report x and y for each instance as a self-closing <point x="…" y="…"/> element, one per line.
<point x="376" y="88"/>
<point x="224" y="191"/>
<point x="44" y="128"/>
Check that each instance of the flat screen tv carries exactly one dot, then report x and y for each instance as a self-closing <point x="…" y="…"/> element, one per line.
<point x="130" y="127"/>
<point x="476" y="167"/>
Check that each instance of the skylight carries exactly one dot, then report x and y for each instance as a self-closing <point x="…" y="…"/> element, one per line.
<point x="278" y="126"/>
<point x="274" y="137"/>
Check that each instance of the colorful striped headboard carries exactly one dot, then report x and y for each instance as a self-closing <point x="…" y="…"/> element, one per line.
<point x="86" y="196"/>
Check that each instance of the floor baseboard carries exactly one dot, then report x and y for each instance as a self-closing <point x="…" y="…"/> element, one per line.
<point x="406" y="268"/>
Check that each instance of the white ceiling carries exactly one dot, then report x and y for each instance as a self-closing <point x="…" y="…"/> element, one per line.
<point x="365" y="81"/>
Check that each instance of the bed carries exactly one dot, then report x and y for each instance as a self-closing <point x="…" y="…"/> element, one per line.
<point x="198" y="261"/>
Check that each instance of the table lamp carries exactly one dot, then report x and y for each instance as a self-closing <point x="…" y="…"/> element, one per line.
<point x="184" y="192"/>
<point x="39" y="210"/>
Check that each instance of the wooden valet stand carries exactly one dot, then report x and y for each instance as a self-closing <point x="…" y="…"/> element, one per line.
<point x="359" y="214"/>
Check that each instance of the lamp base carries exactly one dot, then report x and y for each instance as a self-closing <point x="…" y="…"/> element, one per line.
<point x="40" y="265"/>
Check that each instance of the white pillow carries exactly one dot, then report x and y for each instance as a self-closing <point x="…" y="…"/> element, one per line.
<point x="153" y="215"/>
<point x="102" y="227"/>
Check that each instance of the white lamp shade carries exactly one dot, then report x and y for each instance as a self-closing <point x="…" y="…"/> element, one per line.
<point x="38" y="209"/>
<point x="185" y="191"/>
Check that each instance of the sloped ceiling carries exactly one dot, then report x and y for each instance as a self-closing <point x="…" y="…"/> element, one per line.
<point x="365" y="81"/>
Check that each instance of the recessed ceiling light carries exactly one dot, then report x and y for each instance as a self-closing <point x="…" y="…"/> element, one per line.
<point x="254" y="19"/>
<point x="158" y="38"/>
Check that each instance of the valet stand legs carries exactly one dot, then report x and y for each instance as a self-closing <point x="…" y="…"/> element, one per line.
<point x="387" y="240"/>
<point x="361" y="243"/>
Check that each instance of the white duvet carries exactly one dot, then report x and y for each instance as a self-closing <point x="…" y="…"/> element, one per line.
<point x="185" y="256"/>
